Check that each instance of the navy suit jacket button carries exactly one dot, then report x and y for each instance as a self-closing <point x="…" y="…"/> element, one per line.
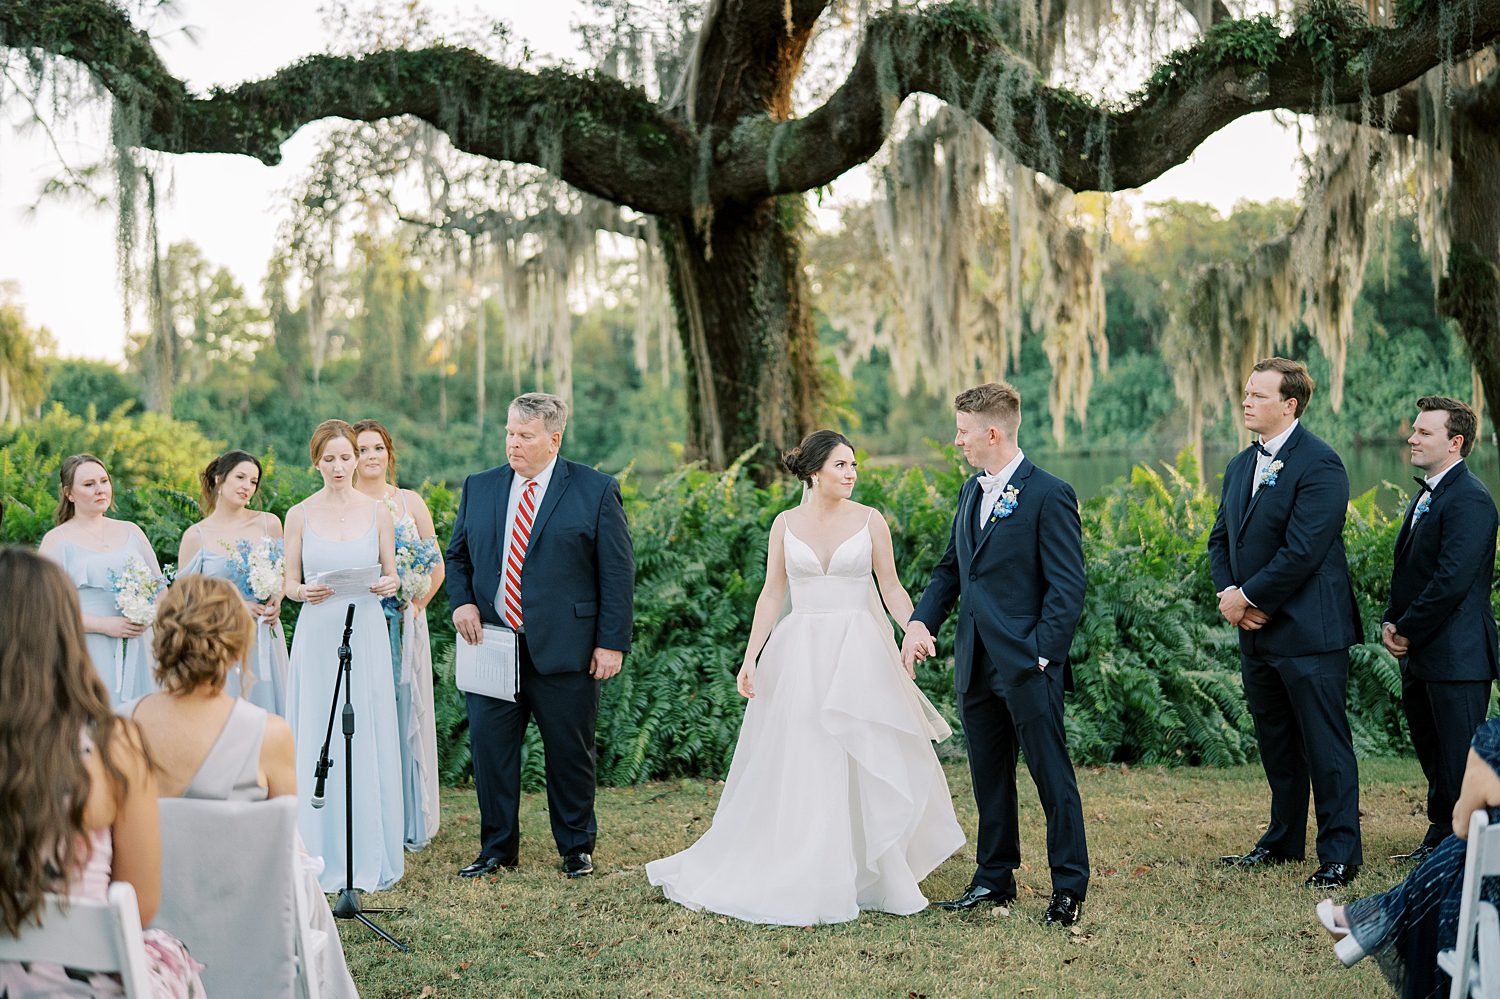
<point x="973" y="575"/>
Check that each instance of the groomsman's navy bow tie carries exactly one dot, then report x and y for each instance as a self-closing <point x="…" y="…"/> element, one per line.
<point x="1423" y="483"/>
<point x="1261" y="448"/>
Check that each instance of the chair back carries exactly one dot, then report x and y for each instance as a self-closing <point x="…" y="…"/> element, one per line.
<point x="228" y="891"/>
<point x="90" y="936"/>
<point x="1476" y="918"/>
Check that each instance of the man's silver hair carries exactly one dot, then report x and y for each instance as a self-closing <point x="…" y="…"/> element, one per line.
<point x="551" y="410"/>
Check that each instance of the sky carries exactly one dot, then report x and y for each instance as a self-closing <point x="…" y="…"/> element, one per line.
<point x="60" y="257"/>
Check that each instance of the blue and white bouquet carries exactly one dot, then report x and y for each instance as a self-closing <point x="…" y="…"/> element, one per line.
<point x="137" y="589"/>
<point x="416" y="557"/>
<point x="258" y="568"/>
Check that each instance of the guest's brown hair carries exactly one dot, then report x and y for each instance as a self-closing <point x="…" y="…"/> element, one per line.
<point x="66" y="473"/>
<point x="996" y="401"/>
<point x="330" y="430"/>
<point x="376" y="427"/>
<point x="1296" y="383"/>
<point x="1462" y="421"/>
<point x="51" y="698"/>
<point x="212" y="477"/>
<point x="202" y="628"/>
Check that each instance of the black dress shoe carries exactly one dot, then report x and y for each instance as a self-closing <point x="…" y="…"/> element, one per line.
<point x="975" y="896"/>
<point x="484" y="865"/>
<point x="576" y="865"/>
<point x="1065" y="909"/>
<point x="1332" y="876"/>
<point x="1418" y="855"/>
<point x="1259" y="857"/>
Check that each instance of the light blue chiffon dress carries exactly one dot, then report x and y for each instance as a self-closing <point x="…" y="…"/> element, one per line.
<point x="411" y="666"/>
<point x="267" y="658"/>
<point x="126" y="665"/>
<point x="378" y="811"/>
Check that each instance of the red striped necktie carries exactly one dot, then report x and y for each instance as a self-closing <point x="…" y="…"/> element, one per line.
<point x="520" y="537"/>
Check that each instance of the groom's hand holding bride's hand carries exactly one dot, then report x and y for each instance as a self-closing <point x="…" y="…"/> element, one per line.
<point x="916" y="646"/>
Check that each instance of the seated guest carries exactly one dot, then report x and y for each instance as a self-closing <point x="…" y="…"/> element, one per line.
<point x="1406" y="927"/>
<point x="78" y="804"/>
<point x="210" y="745"/>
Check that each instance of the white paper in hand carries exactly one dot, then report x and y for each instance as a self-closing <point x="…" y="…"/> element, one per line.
<point x="348" y="582"/>
<point x="490" y="668"/>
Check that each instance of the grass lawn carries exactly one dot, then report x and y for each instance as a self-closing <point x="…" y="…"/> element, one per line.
<point x="1162" y="917"/>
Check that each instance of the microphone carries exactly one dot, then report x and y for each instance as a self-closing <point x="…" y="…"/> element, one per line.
<point x="349" y="618"/>
<point x="322" y="773"/>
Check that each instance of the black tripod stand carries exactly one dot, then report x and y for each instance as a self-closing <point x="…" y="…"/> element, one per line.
<point x="347" y="906"/>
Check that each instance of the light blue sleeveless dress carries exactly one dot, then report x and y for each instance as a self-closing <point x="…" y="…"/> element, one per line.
<point x="124" y="666"/>
<point x="378" y="816"/>
<point x="411" y="666"/>
<point x="267" y="657"/>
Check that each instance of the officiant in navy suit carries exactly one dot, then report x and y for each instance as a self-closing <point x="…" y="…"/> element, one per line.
<point x="541" y="545"/>
<point x="1014" y="566"/>
<point x="1438" y="622"/>
<point x="1277" y="555"/>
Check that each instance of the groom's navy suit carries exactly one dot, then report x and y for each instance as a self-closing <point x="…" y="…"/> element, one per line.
<point x="1019" y="585"/>
<point x="1440" y="603"/>
<point x="577" y="586"/>
<point x="1284" y="548"/>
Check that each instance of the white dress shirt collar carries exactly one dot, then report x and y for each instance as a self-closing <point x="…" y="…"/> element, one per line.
<point x="1275" y="443"/>
<point x="1433" y="480"/>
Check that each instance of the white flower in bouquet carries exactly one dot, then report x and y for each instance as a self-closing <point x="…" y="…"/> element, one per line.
<point x="416" y="557"/>
<point x="259" y="567"/>
<point x="137" y="589"/>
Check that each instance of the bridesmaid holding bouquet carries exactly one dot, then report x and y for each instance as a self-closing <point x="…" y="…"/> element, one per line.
<point x="406" y="616"/>
<point x="244" y="546"/>
<point x="115" y="571"/>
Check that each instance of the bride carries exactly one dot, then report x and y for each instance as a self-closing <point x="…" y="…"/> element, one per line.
<point x="835" y="801"/>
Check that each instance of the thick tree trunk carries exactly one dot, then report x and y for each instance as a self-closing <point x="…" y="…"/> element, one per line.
<point x="1469" y="291"/>
<point x="743" y="312"/>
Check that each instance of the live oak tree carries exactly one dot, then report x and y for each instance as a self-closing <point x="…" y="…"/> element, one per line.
<point x="721" y="159"/>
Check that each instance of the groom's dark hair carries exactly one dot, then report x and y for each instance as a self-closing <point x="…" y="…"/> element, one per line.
<point x="998" y="401"/>
<point x="1461" y="419"/>
<point x="1296" y="383"/>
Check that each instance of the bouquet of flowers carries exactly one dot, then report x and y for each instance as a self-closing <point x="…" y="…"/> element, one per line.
<point x="416" y="557"/>
<point x="258" y="568"/>
<point x="137" y="589"/>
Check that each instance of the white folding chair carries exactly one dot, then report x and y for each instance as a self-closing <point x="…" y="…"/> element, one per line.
<point x="229" y="890"/>
<point x="89" y="936"/>
<point x="1478" y="922"/>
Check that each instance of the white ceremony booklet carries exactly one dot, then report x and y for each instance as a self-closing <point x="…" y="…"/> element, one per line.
<point x="348" y="582"/>
<point x="489" y="668"/>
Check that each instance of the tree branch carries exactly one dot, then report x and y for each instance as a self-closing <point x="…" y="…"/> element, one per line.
<point x="594" y="132"/>
<point x="958" y="54"/>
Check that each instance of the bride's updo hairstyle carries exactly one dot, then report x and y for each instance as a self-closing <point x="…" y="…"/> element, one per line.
<point x="202" y="628"/>
<point x="806" y="458"/>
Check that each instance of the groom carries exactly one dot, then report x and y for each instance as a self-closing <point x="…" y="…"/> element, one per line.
<point x="541" y="545"/>
<point x="1015" y="566"/>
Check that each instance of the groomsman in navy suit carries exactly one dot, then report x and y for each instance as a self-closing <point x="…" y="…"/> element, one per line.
<point x="1014" y="566"/>
<point x="540" y="545"/>
<point x="1277" y="554"/>
<point x="1439" y="623"/>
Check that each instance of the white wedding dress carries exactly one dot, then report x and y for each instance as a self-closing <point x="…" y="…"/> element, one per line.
<point x="835" y="801"/>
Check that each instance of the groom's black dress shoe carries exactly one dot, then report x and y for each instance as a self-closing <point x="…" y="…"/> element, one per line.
<point x="484" y="865"/>
<point x="1332" y="876"/>
<point x="975" y="896"/>
<point x="1065" y="909"/>
<point x="576" y="865"/>
<point x="1421" y="853"/>
<point x="1258" y="857"/>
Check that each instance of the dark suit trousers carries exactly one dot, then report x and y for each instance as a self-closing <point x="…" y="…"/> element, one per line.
<point x="1297" y="703"/>
<point x="1442" y="717"/>
<point x="565" y="706"/>
<point x="997" y="722"/>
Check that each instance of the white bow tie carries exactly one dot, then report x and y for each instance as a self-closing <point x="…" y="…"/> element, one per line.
<point x="990" y="483"/>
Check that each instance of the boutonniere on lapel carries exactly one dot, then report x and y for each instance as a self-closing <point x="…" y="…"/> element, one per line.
<point x="1268" y="477"/>
<point x="1422" y="507"/>
<point x="1010" y="498"/>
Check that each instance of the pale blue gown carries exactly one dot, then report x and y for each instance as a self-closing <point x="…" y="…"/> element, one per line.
<point x="267" y="657"/>
<point x="124" y="666"/>
<point x="378" y="814"/>
<point x="411" y="666"/>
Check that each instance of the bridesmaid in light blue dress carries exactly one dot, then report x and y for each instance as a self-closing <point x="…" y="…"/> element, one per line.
<point x="338" y="528"/>
<point x="411" y="645"/>
<point x="228" y="485"/>
<point x="89" y="546"/>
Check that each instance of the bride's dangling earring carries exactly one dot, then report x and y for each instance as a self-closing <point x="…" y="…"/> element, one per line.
<point x="815" y="482"/>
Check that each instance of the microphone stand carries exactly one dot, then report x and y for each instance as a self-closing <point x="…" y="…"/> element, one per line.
<point x="347" y="906"/>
